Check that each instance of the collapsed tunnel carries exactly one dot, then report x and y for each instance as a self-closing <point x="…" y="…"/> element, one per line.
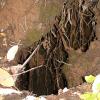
<point x="73" y="28"/>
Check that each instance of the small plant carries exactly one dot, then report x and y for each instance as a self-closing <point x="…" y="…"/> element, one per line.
<point x="89" y="79"/>
<point x="95" y="94"/>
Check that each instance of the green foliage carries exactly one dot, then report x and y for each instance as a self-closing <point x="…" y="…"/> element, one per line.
<point x="98" y="86"/>
<point x="98" y="96"/>
<point x="89" y="96"/>
<point x="89" y="79"/>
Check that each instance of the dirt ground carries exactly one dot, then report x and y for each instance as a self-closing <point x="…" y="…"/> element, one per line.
<point x="72" y="94"/>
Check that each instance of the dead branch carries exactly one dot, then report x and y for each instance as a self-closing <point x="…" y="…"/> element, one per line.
<point x="27" y="71"/>
<point x="31" y="56"/>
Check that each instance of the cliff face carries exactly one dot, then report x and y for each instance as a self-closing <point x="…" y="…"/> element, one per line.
<point x="27" y="15"/>
<point x="25" y="20"/>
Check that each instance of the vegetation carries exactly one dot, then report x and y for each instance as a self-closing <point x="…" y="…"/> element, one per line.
<point x="95" y="85"/>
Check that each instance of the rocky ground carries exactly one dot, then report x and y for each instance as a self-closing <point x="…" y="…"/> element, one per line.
<point x="71" y="94"/>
